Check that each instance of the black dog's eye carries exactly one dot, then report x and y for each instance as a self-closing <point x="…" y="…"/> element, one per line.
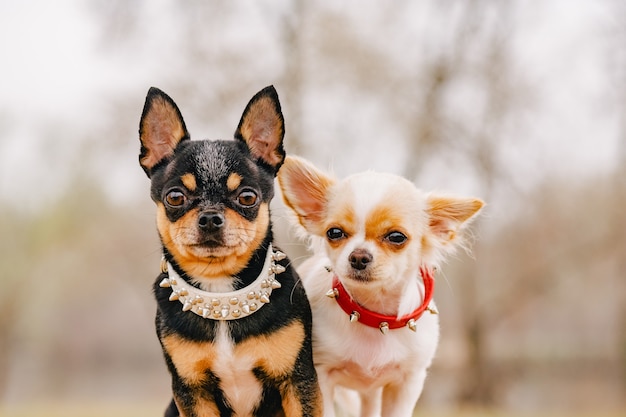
<point x="335" y="233"/>
<point x="247" y="198"/>
<point x="396" y="238"/>
<point x="175" y="198"/>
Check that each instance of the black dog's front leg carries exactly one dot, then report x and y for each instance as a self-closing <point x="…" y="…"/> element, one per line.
<point x="172" y="410"/>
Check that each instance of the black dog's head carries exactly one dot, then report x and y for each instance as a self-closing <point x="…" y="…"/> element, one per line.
<point x="212" y="197"/>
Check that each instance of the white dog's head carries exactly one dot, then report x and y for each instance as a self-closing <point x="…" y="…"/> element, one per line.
<point x="378" y="228"/>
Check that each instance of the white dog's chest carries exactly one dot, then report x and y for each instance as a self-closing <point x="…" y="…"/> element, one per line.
<point x="360" y="377"/>
<point x="362" y="358"/>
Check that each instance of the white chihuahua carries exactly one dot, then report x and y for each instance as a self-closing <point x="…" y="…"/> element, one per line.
<point x="377" y="240"/>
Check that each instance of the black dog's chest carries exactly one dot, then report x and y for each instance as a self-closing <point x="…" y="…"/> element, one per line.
<point x="238" y="372"/>
<point x="240" y="362"/>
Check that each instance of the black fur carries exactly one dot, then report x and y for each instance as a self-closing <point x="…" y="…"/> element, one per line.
<point x="212" y="162"/>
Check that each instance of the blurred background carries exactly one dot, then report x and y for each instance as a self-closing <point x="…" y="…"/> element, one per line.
<point x="521" y="103"/>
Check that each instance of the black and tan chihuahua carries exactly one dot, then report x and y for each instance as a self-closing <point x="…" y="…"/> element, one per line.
<point x="232" y="318"/>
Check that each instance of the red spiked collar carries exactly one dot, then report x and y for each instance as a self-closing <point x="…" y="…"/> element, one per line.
<point x="381" y="321"/>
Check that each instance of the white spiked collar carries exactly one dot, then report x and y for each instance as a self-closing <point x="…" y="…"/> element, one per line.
<point x="226" y="305"/>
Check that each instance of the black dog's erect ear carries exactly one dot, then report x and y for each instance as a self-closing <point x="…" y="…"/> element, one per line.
<point x="262" y="128"/>
<point x="161" y="129"/>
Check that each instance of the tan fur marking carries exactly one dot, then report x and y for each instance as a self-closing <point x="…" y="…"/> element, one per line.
<point x="276" y="353"/>
<point x="262" y="224"/>
<point x="291" y="402"/>
<point x="383" y="220"/>
<point x="189" y="181"/>
<point x="191" y="359"/>
<point x="205" y="408"/>
<point x="233" y="182"/>
<point x="344" y="218"/>
<point x="242" y="238"/>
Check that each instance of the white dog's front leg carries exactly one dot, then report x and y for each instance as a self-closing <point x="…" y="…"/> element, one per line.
<point x="327" y="387"/>
<point x="370" y="403"/>
<point x="399" y="399"/>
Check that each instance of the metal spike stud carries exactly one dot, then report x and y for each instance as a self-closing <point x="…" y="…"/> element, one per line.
<point x="187" y="306"/>
<point x="332" y="293"/>
<point x="432" y="310"/>
<point x="163" y="265"/>
<point x="278" y="256"/>
<point x="411" y="325"/>
<point x="384" y="327"/>
<point x="277" y="269"/>
<point x="276" y="285"/>
<point x="165" y="283"/>
<point x="225" y="311"/>
<point x="174" y="296"/>
<point x="355" y="316"/>
<point x="264" y="298"/>
<point x="246" y="308"/>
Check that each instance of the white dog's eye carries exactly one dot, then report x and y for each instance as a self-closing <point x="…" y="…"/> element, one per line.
<point x="335" y="233"/>
<point x="396" y="238"/>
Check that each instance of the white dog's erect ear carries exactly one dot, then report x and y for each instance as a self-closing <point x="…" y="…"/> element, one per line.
<point x="447" y="215"/>
<point x="305" y="191"/>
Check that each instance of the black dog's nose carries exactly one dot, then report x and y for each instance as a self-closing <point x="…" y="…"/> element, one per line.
<point x="360" y="258"/>
<point x="211" y="221"/>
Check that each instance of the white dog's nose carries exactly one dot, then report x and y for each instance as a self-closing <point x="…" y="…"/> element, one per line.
<point x="360" y="258"/>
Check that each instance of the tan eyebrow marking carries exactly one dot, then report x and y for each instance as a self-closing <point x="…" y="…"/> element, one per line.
<point x="189" y="181"/>
<point x="233" y="181"/>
